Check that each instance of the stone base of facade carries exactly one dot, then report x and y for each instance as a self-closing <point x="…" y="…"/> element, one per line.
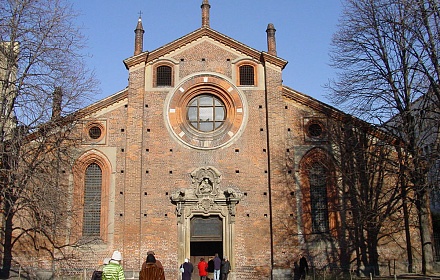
<point x="282" y="274"/>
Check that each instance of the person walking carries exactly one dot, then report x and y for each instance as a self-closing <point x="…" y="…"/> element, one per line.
<point x="217" y="265"/>
<point x="114" y="270"/>
<point x="225" y="268"/>
<point x="187" y="269"/>
<point x="97" y="274"/>
<point x="203" y="269"/>
<point x="151" y="271"/>
<point x="158" y="263"/>
<point x="303" y="267"/>
<point x="210" y="269"/>
<point x="296" y="272"/>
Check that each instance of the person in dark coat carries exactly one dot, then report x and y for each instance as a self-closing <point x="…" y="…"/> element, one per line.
<point x="225" y="268"/>
<point x="187" y="269"/>
<point x="217" y="265"/>
<point x="303" y="267"/>
<point x="210" y="269"/>
<point x="151" y="271"/>
<point x="296" y="272"/>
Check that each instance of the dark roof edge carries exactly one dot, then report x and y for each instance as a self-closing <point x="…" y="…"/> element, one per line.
<point x="99" y="105"/>
<point x="197" y="34"/>
<point x="338" y="115"/>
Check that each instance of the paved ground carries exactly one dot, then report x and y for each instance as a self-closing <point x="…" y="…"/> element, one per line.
<point x="409" y="277"/>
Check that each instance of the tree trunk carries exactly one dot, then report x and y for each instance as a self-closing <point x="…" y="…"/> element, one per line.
<point x="373" y="255"/>
<point x="425" y="232"/>
<point x="7" y="243"/>
<point x="407" y="234"/>
<point x="404" y="192"/>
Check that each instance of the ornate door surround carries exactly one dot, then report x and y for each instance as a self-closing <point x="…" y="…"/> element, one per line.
<point x="205" y="197"/>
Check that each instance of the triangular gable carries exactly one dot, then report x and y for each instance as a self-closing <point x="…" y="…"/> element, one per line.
<point x="101" y="104"/>
<point x="200" y="33"/>
<point x="336" y="114"/>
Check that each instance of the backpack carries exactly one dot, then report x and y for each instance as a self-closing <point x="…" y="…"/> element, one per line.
<point x="97" y="275"/>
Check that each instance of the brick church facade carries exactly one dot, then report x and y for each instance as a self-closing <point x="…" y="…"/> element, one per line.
<point x="205" y="152"/>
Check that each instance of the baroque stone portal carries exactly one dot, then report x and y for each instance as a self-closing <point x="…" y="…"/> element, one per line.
<point x="205" y="196"/>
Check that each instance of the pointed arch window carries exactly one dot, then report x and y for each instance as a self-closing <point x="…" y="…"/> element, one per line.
<point x="164" y="76"/>
<point x="318" y="197"/>
<point x="92" y="200"/>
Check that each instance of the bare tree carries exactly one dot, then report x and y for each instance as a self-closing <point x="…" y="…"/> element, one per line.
<point x="42" y="81"/>
<point x="370" y="189"/>
<point x="387" y="53"/>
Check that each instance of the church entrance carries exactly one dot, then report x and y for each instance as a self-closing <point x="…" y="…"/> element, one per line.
<point x="206" y="217"/>
<point x="206" y="239"/>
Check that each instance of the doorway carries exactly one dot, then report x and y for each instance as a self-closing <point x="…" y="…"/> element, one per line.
<point x="206" y="240"/>
<point x="205" y="250"/>
<point x="206" y="220"/>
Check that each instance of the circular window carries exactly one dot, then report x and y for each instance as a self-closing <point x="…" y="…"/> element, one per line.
<point x="95" y="132"/>
<point x="206" y="112"/>
<point x="315" y="129"/>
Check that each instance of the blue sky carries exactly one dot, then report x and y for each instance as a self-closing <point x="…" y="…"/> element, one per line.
<point x="304" y="31"/>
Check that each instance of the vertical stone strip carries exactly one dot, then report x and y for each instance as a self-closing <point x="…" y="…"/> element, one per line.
<point x="133" y="168"/>
<point x="276" y="139"/>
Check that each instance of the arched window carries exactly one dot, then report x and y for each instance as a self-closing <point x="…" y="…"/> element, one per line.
<point x="92" y="200"/>
<point x="318" y="197"/>
<point x="319" y="193"/>
<point x="247" y="75"/>
<point x="164" y="76"/>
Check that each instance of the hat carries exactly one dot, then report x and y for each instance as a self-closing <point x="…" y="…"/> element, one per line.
<point x="117" y="256"/>
<point x="151" y="258"/>
<point x="106" y="261"/>
<point x="186" y="260"/>
<point x="151" y="252"/>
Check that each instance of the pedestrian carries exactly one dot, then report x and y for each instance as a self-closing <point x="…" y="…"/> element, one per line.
<point x="158" y="263"/>
<point x="151" y="271"/>
<point x="187" y="269"/>
<point x="210" y="268"/>
<point x="303" y="267"/>
<point x="114" y="270"/>
<point x="296" y="272"/>
<point x="203" y="269"/>
<point x="97" y="274"/>
<point x="217" y="265"/>
<point x="225" y="268"/>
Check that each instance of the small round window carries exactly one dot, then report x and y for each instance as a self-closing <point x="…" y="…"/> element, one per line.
<point x="206" y="113"/>
<point x="95" y="132"/>
<point x="315" y="130"/>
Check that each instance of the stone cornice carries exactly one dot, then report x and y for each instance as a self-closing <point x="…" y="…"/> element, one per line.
<point x="117" y="97"/>
<point x="134" y="60"/>
<point x="198" y="34"/>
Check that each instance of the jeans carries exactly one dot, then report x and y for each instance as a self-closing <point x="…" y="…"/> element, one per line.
<point x="216" y="274"/>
